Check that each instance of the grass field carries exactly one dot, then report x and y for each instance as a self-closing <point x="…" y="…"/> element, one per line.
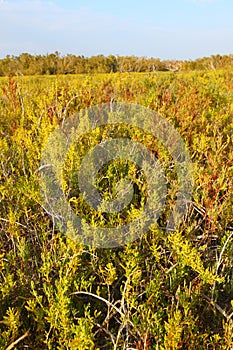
<point x="166" y="290"/>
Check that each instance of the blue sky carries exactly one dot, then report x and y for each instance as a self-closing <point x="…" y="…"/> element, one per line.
<point x="168" y="29"/>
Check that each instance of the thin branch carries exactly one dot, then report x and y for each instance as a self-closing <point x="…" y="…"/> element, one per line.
<point x="217" y="307"/>
<point x="16" y="222"/>
<point x="106" y="331"/>
<point x="43" y="167"/>
<point x="122" y="326"/>
<point x="109" y="304"/>
<point x="171" y="268"/>
<point x="219" y="263"/>
<point x="67" y="105"/>
<point x="12" y="345"/>
<point x="221" y="254"/>
<point x="124" y="292"/>
<point x="102" y="299"/>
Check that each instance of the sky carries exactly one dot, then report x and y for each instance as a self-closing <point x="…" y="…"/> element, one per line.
<point x="167" y="29"/>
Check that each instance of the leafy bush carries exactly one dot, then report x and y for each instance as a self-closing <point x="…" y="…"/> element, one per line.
<point x="167" y="290"/>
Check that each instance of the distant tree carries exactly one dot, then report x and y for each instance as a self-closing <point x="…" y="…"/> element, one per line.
<point x="54" y="63"/>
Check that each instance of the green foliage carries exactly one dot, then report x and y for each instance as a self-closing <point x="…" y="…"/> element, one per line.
<point x="167" y="290"/>
<point x="54" y="63"/>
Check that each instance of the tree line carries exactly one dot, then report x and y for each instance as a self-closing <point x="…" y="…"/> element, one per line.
<point x="54" y="63"/>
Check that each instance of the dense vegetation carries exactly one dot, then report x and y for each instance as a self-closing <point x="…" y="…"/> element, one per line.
<point x="54" y="63"/>
<point x="167" y="290"/>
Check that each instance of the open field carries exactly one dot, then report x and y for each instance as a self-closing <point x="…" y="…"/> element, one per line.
<point x="167" y="290"/>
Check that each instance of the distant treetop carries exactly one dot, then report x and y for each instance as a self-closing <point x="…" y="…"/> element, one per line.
<point x="54" y="63"/>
